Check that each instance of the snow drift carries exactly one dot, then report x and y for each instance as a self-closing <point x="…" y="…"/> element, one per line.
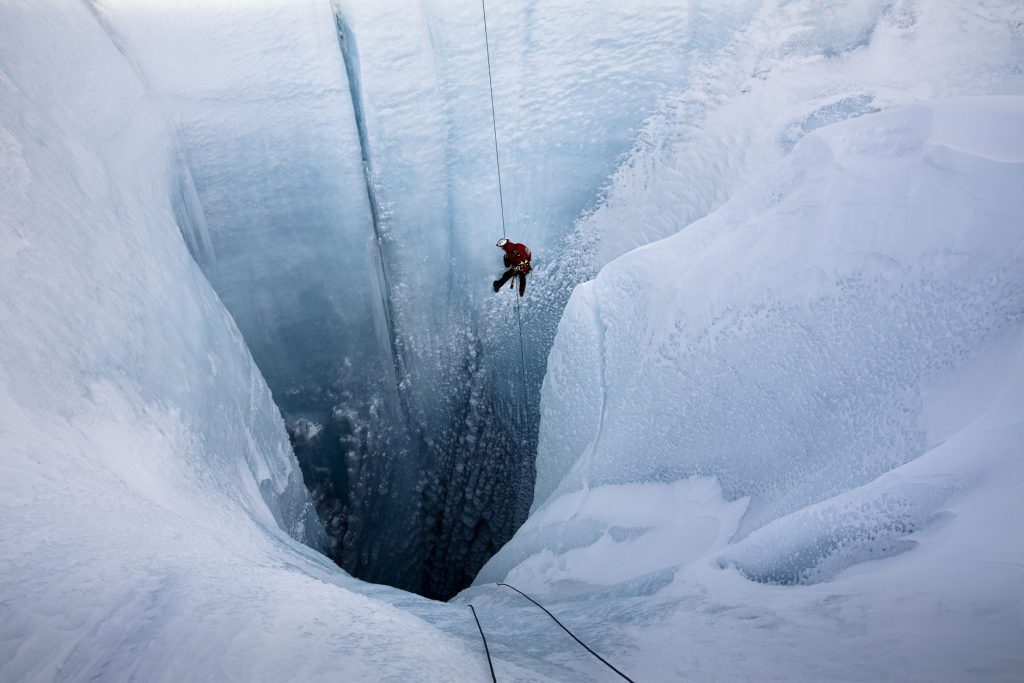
<point x="825" y="371"/>
<point x="788" y="344"/>
<point x="344" y="171"/>
<point x="151" y="510"/>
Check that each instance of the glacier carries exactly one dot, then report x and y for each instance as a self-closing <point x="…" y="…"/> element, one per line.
<point x="343" y="167"/>
<point x="800" y="418"/>
<point x="332" y="143"/>
<point x="244" y="239"/>
<point x="800" y="342"/>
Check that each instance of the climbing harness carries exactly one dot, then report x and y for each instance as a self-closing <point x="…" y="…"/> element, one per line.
<point x="555" y="619"/>
<point x="501" y="194"/>
<point x="487" y="650"/>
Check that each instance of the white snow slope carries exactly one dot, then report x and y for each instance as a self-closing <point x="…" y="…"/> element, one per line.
<point x="427" y="447"/>
<point x="827" y="370"/>
<point x="145" y="474"/>
<point x="819" y="387"/>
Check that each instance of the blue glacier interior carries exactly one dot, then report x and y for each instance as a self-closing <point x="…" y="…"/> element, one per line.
<point x="346" y="207"/>
<point x="759" y="415"/>
<point x="339" y="189"/>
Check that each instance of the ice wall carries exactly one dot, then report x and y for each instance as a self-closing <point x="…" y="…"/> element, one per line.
<point x="422" y="85"/>
<point x="791" y="69"/>
<point x="268" y="124"/>
<point x="795" y="426"/>
<point x="104" y="309"/>
<point x="790" y="344"/>
<point x="335" y="143"/>
<point x="344" y="163"/>
<point x="150" y="505"/>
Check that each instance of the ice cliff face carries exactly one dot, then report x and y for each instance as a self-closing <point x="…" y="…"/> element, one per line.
<point x="789" y="344"/>
<point x="348" y="206"/>
<point x="344" y="163"/>
<point x="111" y="331"/>
<point x="817" y="385"/>
<point x="825" y="370"/>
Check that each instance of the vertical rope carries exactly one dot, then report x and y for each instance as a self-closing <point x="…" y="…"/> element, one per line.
<point x="494" y="122"/>
<point x="501" y="194"/>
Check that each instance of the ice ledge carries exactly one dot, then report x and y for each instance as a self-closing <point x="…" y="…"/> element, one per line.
<point x="787" y="346"/>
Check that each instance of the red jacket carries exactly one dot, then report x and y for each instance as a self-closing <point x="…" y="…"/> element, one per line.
<point x="517" y="256"/>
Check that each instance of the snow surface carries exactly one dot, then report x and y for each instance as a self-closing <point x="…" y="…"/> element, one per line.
<point x="321" y="162"/>
<point x="821" y="383"/>
<point x="146" y="481"/>
<point x="341" y="143"/>
<point x="826" y="370"/>
<point x="792" y="68"/>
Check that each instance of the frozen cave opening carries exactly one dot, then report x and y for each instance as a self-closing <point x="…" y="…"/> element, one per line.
<point x="347" y="219"/>
<point x="416" y="439"/>
<point x="824" y="368"/>
<point x="412" y="410"/>
<point x="429" y="533"/>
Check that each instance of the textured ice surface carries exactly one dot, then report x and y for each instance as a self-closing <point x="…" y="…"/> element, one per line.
<point x="147" y="485"/>
<point x="791" y="69"/>
<point x="347" y="192"/>
<point x="344" y="163"/>
<point x="782" y="344"/>
<point x="817" y="384"/>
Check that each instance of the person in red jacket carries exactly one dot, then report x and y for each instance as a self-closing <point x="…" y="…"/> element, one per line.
<point x="517" y="261"/>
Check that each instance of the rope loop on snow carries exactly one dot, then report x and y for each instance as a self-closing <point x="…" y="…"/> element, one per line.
<point x="555" y="619"/>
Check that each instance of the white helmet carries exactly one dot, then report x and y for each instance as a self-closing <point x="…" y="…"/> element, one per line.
<point x="503" y="241"/>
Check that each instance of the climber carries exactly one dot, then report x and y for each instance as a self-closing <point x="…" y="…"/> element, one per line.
<point x="517" y="260"/>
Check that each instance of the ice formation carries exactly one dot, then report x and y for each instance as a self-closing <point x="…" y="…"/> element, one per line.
<point x="345" y="172"/>
<point x="820" y="366"/>
<point x="347" y="204"/>
<point x="820" y="383"/>
<point x="786" y="344"/>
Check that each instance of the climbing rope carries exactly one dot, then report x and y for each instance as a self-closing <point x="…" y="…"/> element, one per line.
<point x="487" y="650"/>
<point x="555" y="619"/>
<point x="501" y="194"/>
<point x="494" y="122"/>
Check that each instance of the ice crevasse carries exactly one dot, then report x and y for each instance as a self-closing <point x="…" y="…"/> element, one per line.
<point x="826" y="370"/>
<point x="153" y="518"/>
<point x="339" y="193"/>
<point x="819" y="384"/>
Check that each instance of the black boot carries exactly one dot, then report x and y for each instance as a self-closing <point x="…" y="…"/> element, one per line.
<point x="500" y="282"/>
